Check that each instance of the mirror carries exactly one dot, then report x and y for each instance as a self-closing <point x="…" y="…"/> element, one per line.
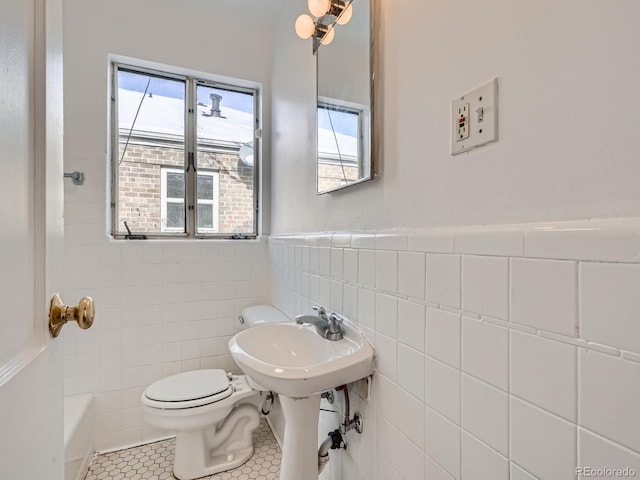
<point x="345" y="86"/>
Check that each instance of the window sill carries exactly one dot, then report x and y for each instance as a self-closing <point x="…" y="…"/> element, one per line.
<point x="155" y="239"/>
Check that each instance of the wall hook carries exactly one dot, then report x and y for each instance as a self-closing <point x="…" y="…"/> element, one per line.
<point x="77" y="177"/>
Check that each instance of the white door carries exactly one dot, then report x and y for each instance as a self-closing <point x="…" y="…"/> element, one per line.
<point x="31" y="223"/>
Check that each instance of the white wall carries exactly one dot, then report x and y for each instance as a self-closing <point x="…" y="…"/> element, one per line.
<point x="501" y="353"/>
<point x="161" y="307"/>
<point x="568" y="99"/>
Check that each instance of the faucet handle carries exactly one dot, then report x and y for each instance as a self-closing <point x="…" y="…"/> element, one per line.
<point x="336" y="318"/>
<point x="320" y="309"/>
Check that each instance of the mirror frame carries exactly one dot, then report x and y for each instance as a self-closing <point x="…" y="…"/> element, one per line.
<point x="374" y="133"/>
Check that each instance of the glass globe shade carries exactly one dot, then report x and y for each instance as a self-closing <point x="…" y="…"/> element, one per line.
<point x="346" y="15"/>
<point x="305" y="26"/>
<point x="328" y="37"/>
<point x="319" y="7"/>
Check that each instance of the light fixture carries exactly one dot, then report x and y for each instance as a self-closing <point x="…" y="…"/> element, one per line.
<point x="342" y="10"/>
<point x="327" y="38"/>
<point x="346" y="15"/>
<point x="305" y="26"/>
<point x="327" y="13"/>
<point x="319" y="7"/>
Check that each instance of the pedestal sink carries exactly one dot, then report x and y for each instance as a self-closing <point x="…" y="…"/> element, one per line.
<point x="298" y="364"/>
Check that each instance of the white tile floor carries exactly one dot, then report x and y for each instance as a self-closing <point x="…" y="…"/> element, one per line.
<point x="154" y="461"/>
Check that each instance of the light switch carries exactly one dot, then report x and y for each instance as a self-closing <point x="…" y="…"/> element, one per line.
<point x="474" y="118"/>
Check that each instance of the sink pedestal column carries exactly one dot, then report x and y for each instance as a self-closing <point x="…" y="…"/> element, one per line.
<point x="300" y="450"/>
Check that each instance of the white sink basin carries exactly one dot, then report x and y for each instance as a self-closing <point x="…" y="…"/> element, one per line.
<point x="295" y="361"/>
<point x="298" y="364"/>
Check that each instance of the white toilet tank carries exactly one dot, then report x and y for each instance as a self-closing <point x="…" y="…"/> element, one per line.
<point x="258" y="314"/>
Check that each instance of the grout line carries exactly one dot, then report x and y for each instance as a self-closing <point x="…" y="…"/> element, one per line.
<point x="446" y="472"/>
<point x="509" y="420"/>
<point x="461" y="396"/>
<point x="543" y="409"/>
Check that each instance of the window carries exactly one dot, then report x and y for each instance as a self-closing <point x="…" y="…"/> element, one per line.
<point x="172" y="211"/>
<point x="340" y="143"/>
<point x="184" y="160"/>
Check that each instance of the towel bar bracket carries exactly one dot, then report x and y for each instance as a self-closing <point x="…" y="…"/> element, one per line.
<point x="77" y="177"/>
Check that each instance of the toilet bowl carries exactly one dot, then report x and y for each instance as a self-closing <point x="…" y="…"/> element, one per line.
<point x="214" y="414"/>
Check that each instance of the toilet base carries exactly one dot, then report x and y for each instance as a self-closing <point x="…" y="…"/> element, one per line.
<point x="219" y="448"/>
<point x="217" y="464"/>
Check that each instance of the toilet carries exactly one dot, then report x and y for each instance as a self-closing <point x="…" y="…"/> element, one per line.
<point x="213" y="413"/>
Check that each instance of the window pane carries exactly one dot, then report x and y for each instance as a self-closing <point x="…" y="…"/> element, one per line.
<point x="205" y="216"/>
<point x="151" y="136"/>
<point x="226" y="123"/>
<point x="175" y="185"/>
<point x="175" y="216"/>
<point x="338" y="145"/>
<point x="205" y="187"/>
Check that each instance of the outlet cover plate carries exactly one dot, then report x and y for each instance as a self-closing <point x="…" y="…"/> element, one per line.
<point x="482" y="121"/>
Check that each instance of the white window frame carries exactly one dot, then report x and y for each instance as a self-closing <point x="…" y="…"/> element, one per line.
<point x="214" y="203"/>
<point x="363" y="113"/>
<point x="164" y="199"/>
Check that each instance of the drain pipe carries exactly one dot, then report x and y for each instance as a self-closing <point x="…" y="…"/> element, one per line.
<point x="332" y="442"/>
<point x="323" y="453"/>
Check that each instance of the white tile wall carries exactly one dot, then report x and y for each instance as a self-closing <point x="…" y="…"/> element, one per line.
<point x="410" y="417"/>
<point x="410" y="460"/>
<point x="433" y="471"/>
<point x="544" y="295"/>
<point x="485" y="285"/>
<point x="485" y="413"/>
<point x="482" y="462"/>
<point x="387" y="315"/>
<point x="518" y="473"/>
<point x="609" y="303"/>
<point x="161" y="308"/>
<point x="544" y="373"/>
<point x="411" y="371"/>
<point x="337" y="263"/>
<point x="542" y="443"/>
<point x="443" y="388"/>
<point x="597" y="452"/>
<point x="350" y="265"/>
<point x="367" y="268"/>
<point x="443" y="336"/>
<point x="411" y="324"/>
<point x="411" y="276"/>
<point x="443" y="279"/>
<point x="485" y="352"/>
<point x="387" y="360"/>
<point x="442" y="442"/>
<point x="387" y="271"/>
<point x="482" y="371"/>
<point x="609" y="386"/>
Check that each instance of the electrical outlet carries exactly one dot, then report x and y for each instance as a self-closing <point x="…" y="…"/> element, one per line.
<point x="474" y="118"/>
<point x="462" y="122"/>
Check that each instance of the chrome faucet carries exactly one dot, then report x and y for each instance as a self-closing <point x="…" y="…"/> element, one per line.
<point x="327" y="327"/>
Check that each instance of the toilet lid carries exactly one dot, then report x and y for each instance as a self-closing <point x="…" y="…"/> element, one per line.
<point x="186" y="386"/>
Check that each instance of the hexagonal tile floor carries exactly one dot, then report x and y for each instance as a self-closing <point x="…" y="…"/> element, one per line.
<point x="154" y="461"/>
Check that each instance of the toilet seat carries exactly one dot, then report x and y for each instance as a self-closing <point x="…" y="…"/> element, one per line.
<point x="188" y="390"/>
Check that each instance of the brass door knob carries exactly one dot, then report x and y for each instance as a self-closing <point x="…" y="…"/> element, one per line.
<point x="59" y="314"/>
